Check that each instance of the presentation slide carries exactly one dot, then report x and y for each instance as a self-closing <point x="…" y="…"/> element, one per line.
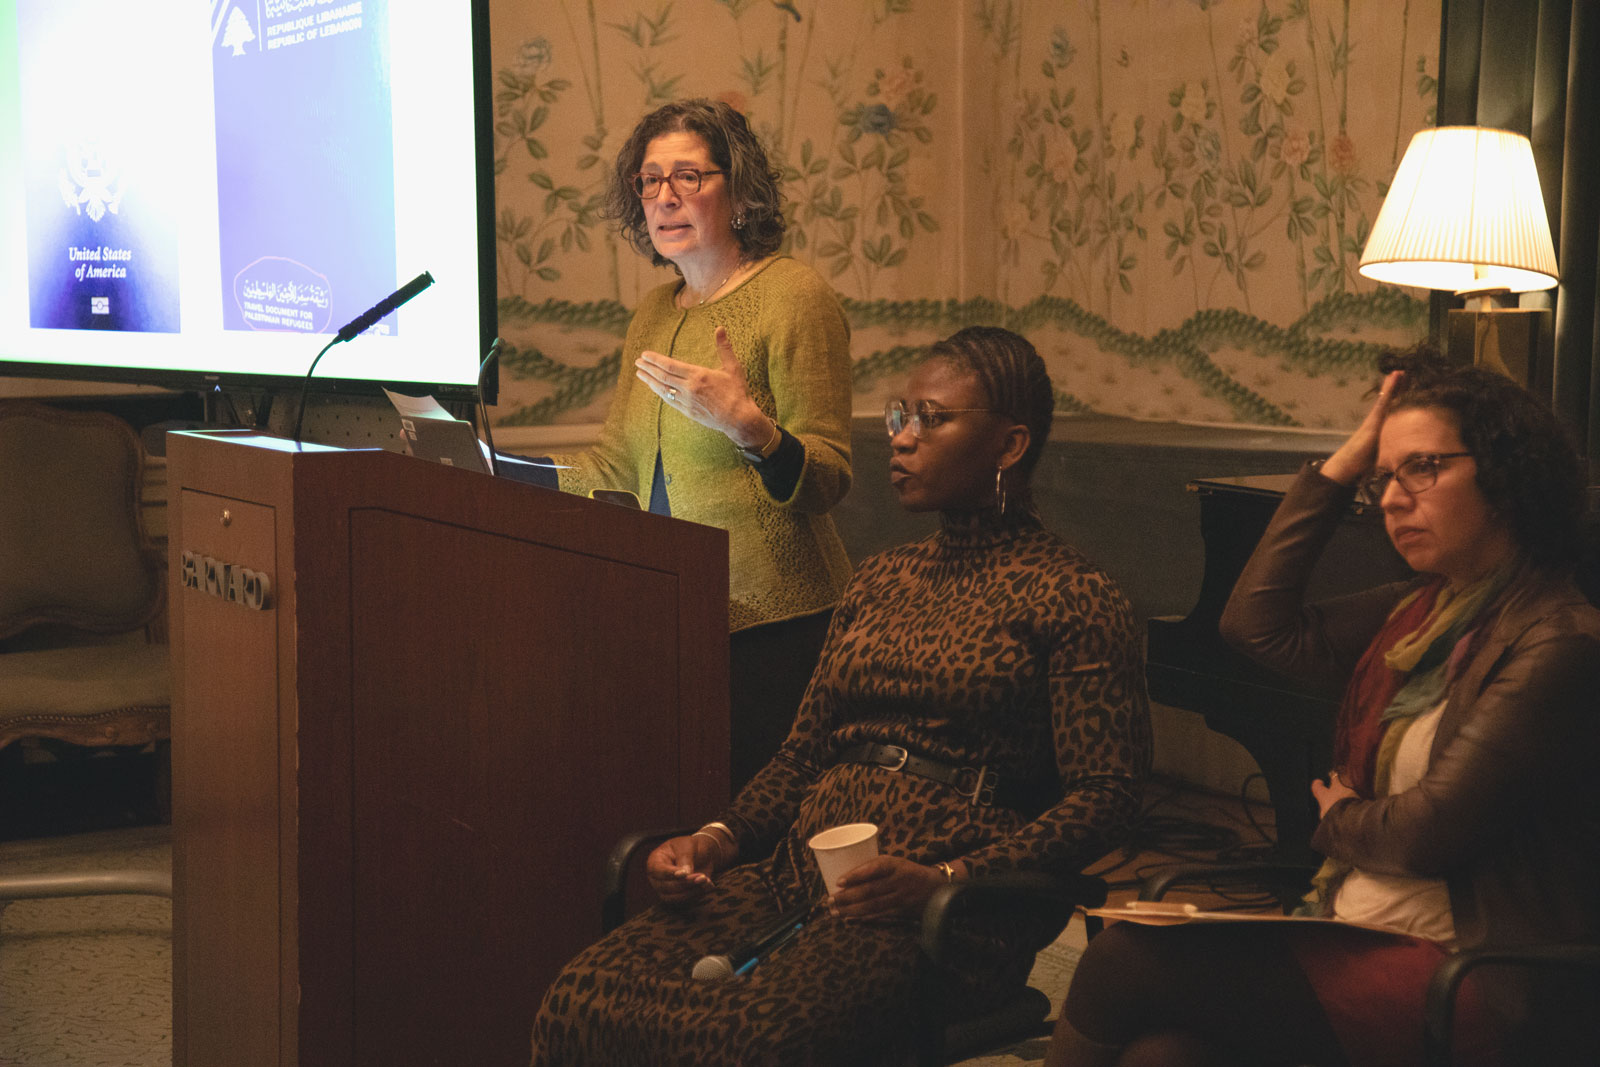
<point x="102" y="242"/>
<point x="216" y="188"/>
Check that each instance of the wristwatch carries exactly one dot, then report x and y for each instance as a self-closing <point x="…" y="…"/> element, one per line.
<point x="760" y="455"/>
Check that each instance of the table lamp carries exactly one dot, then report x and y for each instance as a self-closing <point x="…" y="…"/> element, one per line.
<point x="1465" y="213"/>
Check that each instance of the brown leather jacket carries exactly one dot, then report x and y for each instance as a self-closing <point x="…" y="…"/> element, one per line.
<point x="1508" y="812"/>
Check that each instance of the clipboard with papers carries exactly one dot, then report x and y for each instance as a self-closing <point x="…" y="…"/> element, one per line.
<point x="1174" y="913"/>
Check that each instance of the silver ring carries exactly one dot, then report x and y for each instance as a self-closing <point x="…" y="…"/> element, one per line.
<point x="672" y="392"/>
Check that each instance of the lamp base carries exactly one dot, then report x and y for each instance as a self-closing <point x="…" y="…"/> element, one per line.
<point x="1501" y="339"/>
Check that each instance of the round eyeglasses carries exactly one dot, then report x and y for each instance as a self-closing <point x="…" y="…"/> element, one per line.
<point x="1415" y="475"/>
<point x="920" y="416"/>
<point x="685" y="181"/>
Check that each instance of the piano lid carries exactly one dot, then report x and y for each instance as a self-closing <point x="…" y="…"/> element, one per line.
<point x="1264" y="487"/>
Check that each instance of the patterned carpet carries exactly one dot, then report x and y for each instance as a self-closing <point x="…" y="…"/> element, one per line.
<point x="86" y="981"/>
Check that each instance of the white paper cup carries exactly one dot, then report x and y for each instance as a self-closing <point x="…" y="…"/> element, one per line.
<point x="842" y="849"/>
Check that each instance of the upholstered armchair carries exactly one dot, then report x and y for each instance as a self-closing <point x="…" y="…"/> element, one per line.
<point x="81" y="596"/>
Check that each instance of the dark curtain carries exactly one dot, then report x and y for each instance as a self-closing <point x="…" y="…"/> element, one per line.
<point x="1531" y="66"/>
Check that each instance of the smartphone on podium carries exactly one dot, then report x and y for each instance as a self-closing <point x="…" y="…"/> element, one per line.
<point x="620" y="497"/>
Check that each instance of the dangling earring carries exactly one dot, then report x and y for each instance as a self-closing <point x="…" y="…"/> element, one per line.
<point x="1000" y="489"/>
<point x="738" y="221"/>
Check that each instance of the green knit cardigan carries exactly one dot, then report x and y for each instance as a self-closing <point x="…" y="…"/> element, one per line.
<point x="785" y="558"/>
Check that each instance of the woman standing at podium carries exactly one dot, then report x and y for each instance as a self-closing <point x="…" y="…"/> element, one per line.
<point x="732" y="408"/>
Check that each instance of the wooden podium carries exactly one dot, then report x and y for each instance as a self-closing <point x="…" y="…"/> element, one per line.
<point x="414" y="707"/>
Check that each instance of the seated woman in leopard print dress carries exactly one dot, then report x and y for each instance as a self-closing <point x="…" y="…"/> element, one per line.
<point x="990" y="646"/>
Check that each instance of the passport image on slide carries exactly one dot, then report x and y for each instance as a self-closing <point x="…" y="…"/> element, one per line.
<point x="100" y="168"/>
<point x="305" y="162"/>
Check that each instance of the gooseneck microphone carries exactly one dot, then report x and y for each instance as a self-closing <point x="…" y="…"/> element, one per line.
<point x="354" y="327"/>
<point x="743" y="960"/>
<point x="483" y="406"/>
<point x="363" y="322"/>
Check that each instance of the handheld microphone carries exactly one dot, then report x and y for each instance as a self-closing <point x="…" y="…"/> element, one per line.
<point x="483" y="406"/>
<point x="357" y="325"/>
<point x="363" y="322"/>
<point x="741" y="960"/>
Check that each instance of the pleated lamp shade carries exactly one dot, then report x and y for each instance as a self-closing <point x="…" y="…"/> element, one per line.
<point x="1464" y="213"/>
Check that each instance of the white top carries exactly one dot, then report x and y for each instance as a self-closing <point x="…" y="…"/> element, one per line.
<point x="1419" y="906"/>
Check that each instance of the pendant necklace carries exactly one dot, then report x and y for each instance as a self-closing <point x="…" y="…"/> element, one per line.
<point x="720" y="284"/>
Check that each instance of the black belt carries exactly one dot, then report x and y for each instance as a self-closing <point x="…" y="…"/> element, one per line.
<point x="981" y="785"/>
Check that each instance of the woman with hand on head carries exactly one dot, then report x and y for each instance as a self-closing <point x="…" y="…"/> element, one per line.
<point x="1460" y="811"/>
<point x="980" y="699"/>
<point x="732" y="408"/>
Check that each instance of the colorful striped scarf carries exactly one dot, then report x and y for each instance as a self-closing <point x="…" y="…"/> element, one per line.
<point x="1406" y="670"/>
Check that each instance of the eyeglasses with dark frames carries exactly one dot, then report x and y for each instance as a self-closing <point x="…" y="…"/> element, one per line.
<point x="1415" y="475"/>
<point x="685" y="181"/>
<point x="921" y="416"/>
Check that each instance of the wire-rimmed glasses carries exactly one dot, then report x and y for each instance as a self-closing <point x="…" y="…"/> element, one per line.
<point x="920" y="416"/>
<point x="1415" y="475"/>
<point x="685" y="181"/>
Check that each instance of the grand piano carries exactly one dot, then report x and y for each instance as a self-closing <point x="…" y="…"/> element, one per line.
<point x="1285" y="724"/>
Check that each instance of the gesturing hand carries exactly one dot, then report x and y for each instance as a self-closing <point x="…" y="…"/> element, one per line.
<point x="1330" y="794"/>
<point x="1359" y="453"/>
<point x="680" y="870"/>
<point x="715" y="397"/>
<point x="885" y="887"/>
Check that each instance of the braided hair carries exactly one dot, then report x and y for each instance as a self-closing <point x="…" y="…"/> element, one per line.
<point x="1013" y="378"/>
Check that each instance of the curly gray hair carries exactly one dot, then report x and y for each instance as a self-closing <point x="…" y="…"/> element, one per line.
<point x="753" y="182"/>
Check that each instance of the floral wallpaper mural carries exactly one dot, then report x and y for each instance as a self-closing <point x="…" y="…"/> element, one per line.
<point x="1168" y="196"/>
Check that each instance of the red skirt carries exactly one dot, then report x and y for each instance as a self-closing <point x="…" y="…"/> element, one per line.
<point x="1372" y="987"/>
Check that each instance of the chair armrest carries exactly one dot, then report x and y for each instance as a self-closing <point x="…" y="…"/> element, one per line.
<point x="1005" y="890"/>
<point x="614" y="885"/>
<point x="1288" y="879"/>
<point x="987" y="893"/>
<point x="85" y="884"/>
<point x="1440" y="1007"/>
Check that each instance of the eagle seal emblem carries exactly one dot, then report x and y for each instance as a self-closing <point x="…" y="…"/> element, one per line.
<point x="91" y="182"/>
